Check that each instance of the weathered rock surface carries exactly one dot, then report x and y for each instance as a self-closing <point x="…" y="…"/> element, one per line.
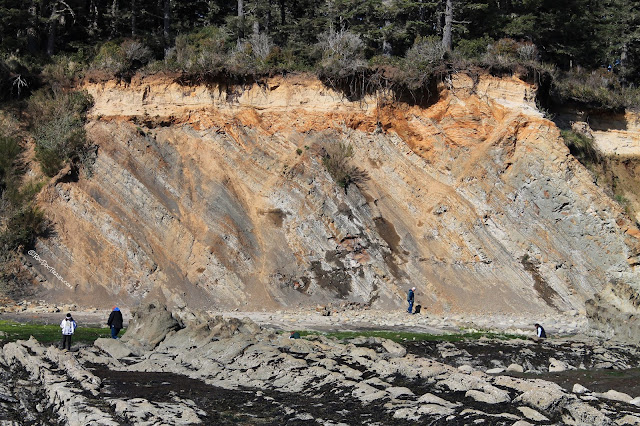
<point x="217" y="197"/>
<point x="223" y="371"/>
<point x="150" y="325"/>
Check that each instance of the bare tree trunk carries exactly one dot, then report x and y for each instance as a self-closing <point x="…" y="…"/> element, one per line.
<point x="624" y="56"/>
<point x="387" y="48"/>
<point x="267" y="18"/>
<point x="160" y="8"/>
<point x="53" y="26"/>
<point x="51" y="39"/>
<point x="386" y="44"/>
<point x="58" y="9"/>
<point x="166" y="28"/>
<point x="283" y="12"/>
<point x="240" y="20"/>
<point x="210" y="6"/>
<point x="114" y="18"/>
<point x="439" y="15"/>
<point x="448" y="26"/>
<point x="32" y="29"/>
<point x="133" y="18"/>
<point x="92" y="17"/>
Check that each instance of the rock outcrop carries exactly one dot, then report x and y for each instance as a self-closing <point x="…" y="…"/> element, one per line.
<point x="217" y="197"/>
<point x="224" y="371"/>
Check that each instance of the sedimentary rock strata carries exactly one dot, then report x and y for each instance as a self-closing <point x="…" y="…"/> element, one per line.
<point x="218" y="198"/>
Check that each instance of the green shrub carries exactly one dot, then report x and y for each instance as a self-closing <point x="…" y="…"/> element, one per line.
<point x="203" y="51"/>
<point x="269" y="58"/>
<point x="342" y="54"/>
<point x="601" y="88"/>
<point x="527" y="51"/>
<point x="281" y="60"/>
<point x="473" y="49"/>
<point x="508" y="56"/>
<point x="420" y="64"/>
<point x="10" y="150"/>
<point x="504" y="47"/>
<point x="135" y="53"/>
<point x="63" y="70"/>
<point x="56" y="142"/>
<point x="24" y="224"/>
<point x="108" y="57"/>
<point x="20" y="220"/>
<point x="251" y="55"/>
<point x="336" y="160"/>
<point x="16" y="79"/>
<point x="58" y="126"/>
<point x="425" y="54"/>
<point x="581" y="146"/>
<point x="208" y="51"/>
<point x="30" y="190"/>
<point x="621" y="199"/>
<point x="120" y="58"/>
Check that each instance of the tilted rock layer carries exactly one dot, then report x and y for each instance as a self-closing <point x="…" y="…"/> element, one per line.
<point x="214" y="196"/>
<point x="192" y="368"/>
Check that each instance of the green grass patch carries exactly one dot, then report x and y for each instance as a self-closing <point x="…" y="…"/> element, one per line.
<point x="13" y="331"/>
<point x="402" y="337"/>
<point x="582" y="147"/>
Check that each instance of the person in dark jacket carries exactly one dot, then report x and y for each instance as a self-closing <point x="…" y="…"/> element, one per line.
<point x="410" y="298"/>
<point x="540" y="333"/>
<point x="115" y="322"/>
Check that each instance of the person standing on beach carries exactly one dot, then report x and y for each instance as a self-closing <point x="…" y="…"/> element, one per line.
<point x="68" y="326"/>
<point x="540" y="333"/>
<point x="410" y="298"/>
<point x="115" y="322"/>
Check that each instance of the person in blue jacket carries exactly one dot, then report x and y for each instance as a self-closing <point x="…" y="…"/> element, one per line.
<point x="410" y="298"/>
<point x="115" y="322"/>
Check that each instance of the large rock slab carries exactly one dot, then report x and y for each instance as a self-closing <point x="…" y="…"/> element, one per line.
<point x="114" y="347"/>
<point x="151" y="323"/>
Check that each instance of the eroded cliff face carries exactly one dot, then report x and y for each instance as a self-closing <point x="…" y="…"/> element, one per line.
<point x="217" y="197"/>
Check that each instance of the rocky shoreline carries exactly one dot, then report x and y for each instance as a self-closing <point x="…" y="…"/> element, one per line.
<point x="192" y="367"/>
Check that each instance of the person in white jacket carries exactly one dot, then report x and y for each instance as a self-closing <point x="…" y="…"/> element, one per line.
<point x="68" y="326"/>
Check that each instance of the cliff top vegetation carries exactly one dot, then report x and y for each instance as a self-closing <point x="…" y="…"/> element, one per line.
<point x="588" y="51"/>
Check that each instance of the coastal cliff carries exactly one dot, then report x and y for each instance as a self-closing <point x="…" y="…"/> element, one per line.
<point x="215" y="196"/>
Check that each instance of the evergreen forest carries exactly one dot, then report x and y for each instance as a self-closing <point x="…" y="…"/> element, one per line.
<point x="588" y="50"/>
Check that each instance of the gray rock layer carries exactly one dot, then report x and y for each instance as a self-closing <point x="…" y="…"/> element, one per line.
<point x="371" y="377"/>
